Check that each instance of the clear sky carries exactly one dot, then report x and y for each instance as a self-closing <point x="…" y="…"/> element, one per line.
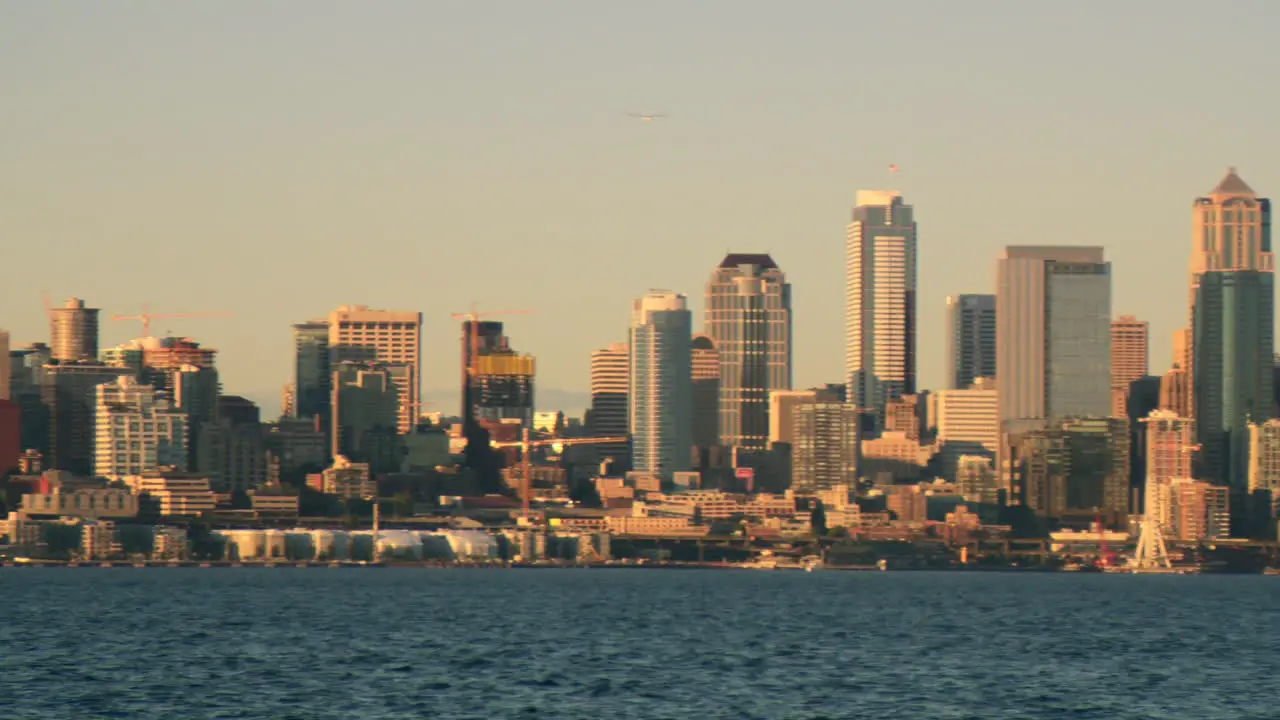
<point x="277" y="159"/>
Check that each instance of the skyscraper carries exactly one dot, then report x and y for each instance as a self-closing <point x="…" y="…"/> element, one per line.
<point x="827" y="445"/>
<point x="1053" y="333"/>
<point x="706" y="392"/>
<point x="73" y="331"/>
<point x="138" y="430"/>
<point x="1232" y="323"/>
<point x="389" y="337"/>
<point x="479" y="337"/>
<point x="1128" y="359"/>
<point x="1170" y="441"/>
<point x="610" y="381"/>
<point x="748" y="316"/>
<point x="971" y="339"/>
<point x="880" y="299"/>
<point x="312" y="377"/>
<point x="660" y="411"/>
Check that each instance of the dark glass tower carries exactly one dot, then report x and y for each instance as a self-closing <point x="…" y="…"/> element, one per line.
<point x="1232" y="323"/>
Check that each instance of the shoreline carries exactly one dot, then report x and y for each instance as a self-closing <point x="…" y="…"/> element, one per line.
<point x="349" y="564"/>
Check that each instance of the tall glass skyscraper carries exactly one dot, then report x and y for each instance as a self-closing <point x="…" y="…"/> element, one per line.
<point x="660" y="394"/>
<point x="971" y="339"/>
<point x="748" y="316"/>
<point x="880" y="300"/>
<point x="312" y="378"/>
<point x="1232" y="322"/>
<point x="1053" y="333"/>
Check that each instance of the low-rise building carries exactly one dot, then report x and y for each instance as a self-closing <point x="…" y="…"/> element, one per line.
<point x="89" y="504"/>
<point x="175" y="494"/>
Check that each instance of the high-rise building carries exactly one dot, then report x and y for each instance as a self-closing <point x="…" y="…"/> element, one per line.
<point x="880" y="299"/>
<point x="706" y="392"/>
<point x="1129" y="359"/>
<point x="968" y="424"/>
<point x="1232" y="323"/>
<point x="1264" y="457"/>
<point x="388" y="337"/>
<point x="73" y="332"/>
<point x="311" y="374"/>
<point x="1073" y="470"/>
<point x="748" y="316"/>
<point x="1170" y="444"/>
<point x="69" y="392"/>
<point x="504" y="387"/>
<point x="660" y="370"/>
<point x="971" y="339"/>
<point x="782" y="411"/>
<point x="610" y="381"/>
<point x="1200" y="511"/>
<point x="1053" y="334"/>
<point x="826" y="446"/>
<point x="365" y="413"/>
<point x="138" y="430"/>
<point x="479" y="337"/>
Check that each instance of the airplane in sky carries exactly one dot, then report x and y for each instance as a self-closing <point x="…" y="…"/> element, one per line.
<point x="647" y="117"/>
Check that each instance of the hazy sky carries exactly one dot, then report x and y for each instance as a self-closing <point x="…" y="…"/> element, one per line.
<point x="277" y="159"/>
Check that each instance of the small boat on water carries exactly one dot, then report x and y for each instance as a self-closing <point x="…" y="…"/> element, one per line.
<point x="1271" y="571"/>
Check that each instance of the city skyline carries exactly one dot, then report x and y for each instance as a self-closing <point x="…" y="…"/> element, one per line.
<point x="337" y="158"/>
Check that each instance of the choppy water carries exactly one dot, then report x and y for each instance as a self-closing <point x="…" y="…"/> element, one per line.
<point x="408" y="643"/>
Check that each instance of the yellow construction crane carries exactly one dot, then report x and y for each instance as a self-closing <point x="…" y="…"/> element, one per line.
<point x="146" y="317"/>
<point x="525" y="445"/>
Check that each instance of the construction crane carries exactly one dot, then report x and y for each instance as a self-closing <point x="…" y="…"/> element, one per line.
<point x="525" y="444"/>
<point x="146" y="317"/>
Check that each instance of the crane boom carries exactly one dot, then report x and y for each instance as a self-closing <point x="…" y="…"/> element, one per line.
<point x="147" y="317"/>
<point x="525" y="444"/>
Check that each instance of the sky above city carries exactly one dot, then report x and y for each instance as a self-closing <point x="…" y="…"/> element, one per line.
<point x="277" y="159"/>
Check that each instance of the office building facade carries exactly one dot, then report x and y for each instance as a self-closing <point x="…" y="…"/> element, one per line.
<point x="748" y="317"/>
<point x="660" y="412"/>
<point x="880" y="300"/>
<point x="1129" y="359"/>
<point x="971" y="339"/>
<point x="1232" y="326"/>
<point x="1053" y="334"/>
<point x="387" y="337"/>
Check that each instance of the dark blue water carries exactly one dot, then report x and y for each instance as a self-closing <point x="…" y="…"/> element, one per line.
<point x="408" y="643"/>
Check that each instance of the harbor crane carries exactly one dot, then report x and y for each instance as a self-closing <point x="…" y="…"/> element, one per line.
<point x="146" y="317"/>
<point x="526" y="444"/>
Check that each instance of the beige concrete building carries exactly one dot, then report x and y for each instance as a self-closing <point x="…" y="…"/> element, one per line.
<point x="968" y="423"/>
<point x="826" y="449"/>
<point x="782" y="407"/>
<point x="391" y="337"/>
<point x="1170" y="447"/>
<point x="1199" y="511"/>
<point x="1129" y="359"/>
<point x="89" y="504"/>
<point x="1264" y="456"/>
<point x="176" y="493"/>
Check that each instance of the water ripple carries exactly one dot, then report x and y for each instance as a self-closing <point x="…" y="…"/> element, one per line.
<point x="383" y="644"/>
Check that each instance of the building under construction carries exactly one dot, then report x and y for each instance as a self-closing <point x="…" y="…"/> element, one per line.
<point x="499" y="385"/>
